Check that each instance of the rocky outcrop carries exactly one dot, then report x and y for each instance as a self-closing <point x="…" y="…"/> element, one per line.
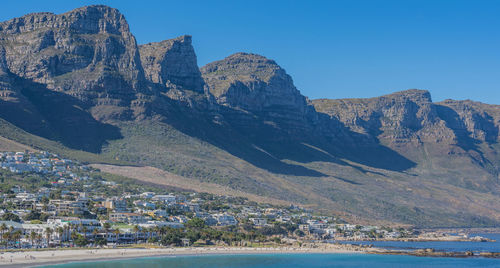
<point x="87" y="53"/>
<point x="80" y="79"/>
<point x="411" y="116"/>
<point x="472" y="120"/>
<point x="88" y="59"/>
<point x="257" y="87"/>
<point x="406" y="116"/>
<point x="172" y="63"/>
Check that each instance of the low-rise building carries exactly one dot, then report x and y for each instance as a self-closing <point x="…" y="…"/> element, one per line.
<point x="224" y="219"/>
<point x="127" y="217"/>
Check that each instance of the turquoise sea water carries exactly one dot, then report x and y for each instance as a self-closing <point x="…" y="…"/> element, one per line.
<point x="439" y="246"/>
<point x="318" y="260"/>
<point x="289" y="261"/>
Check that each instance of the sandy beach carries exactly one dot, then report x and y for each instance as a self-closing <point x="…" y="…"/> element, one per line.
<point x="46" y="257"/>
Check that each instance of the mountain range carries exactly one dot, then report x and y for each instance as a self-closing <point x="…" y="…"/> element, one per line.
<point x="79" y="84"/>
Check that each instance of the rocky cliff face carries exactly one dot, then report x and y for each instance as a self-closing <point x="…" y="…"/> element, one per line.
<point x="407" y="116"/>
<point x="474" y="120"/>
<point x="172" y="63"/>
<point x="88" y="59"/>
<point x="409" y="123"/>
<point x="79" y="78"/>
<point x="411" y="115"/>
<point x="88" y="53"/>
<point x="258" y="88"/>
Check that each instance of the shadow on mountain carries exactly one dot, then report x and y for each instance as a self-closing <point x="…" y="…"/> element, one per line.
<point x="453" y="121"/>
<point x="377" y="156"/>
<point x="464" y="139"/>
<point x="362" y="149"/>
<point x="65" y="116"/>
<point x="464" y="136"/>
<point x="233" y="141"/>
<point x="275" y="148"/>
<point x="348" y="181"/>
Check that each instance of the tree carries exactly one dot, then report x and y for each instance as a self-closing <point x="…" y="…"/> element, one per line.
<point x="9" y="216"/>
<point x="193" y="236"/>
<point x="136" y="231"/>
<point x="48" y="233"/>
<point x="33" y="215"/>
<point x="60" y="231"/>
<point x="32" y="237"/>
<point x="38" y="238"/>
<point x="66" y="231"/>
<point x="6" y="237"/>
<point x="101" y="241"/>
<point x="196" y="223"/>
<point x="81" y="241"/>
<point x="172" y="237"/>
<point x="107" y="227"/>
<point x="94" y="234"/>
<point x="273" y="230"/>
<point x="3" y="228"/>
<point x="16" y="236"/>
<point x="117" y="233"/>
<point x="74" y="236"/>
<point x="84" y="231"/>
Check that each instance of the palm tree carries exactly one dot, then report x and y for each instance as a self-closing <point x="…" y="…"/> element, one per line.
<point x="3" y="228"/>
<point x="38" y="238"/>
<point x="117" y="233"/>
<point x="84" y="231"/>
<point x="16" y="236"/>
<point x="73" y="227"/>
<point x="48" y="233"/>
<point x="157" y="230"/>
<point x="107" y="227"/>
<point x="67" y="231"/>
<point x="74" y="236"/>
<point x="94" y="235"/>
<point x="136" y="231"/>
<point x="10" y="233"/>
<point x="32" y="237"/>
<point x="60" y="231"/>
<point x="6" y="237"/>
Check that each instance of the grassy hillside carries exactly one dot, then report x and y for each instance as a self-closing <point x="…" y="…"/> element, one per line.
<point x="14" y="135"/>
<point x="421" y="196"/>
<point x="428" y="195"/>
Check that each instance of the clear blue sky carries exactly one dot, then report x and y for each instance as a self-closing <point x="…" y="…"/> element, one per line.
<point x="332" y="49"/>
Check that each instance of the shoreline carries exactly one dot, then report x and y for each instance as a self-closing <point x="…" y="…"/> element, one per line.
<point x="30" y="258"/>
<point x="416" y="239"/>
<point x="52" y="257"/>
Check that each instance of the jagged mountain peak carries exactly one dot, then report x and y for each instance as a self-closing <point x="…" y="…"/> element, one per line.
<point x="172" y="63"/>
<point x="88" y="53"/>
<point x="80" y="79"/>
<point x="256" y="84"/>
<point x="88" y="19"/>
<point x="245" y="66"/>
<point x="415" y="94"/>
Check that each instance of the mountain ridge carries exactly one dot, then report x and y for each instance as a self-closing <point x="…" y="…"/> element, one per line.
<point x="81" y="80"/>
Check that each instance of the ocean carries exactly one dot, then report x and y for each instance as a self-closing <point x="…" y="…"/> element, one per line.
<point x="288" y="261"/>
<point x="438" y="246"/>
<point x="311" y="260"/>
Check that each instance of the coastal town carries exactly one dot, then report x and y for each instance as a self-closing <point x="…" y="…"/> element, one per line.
<point x="54" y="209"/>
<point x="49" y="201"/>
